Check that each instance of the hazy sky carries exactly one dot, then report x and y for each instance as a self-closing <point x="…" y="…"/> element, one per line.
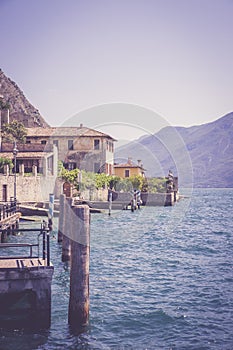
<point x="174" y="57"/>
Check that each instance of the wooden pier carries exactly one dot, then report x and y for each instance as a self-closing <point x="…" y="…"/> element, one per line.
<point x="22" y="263"/>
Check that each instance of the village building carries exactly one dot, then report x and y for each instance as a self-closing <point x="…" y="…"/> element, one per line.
<point x="78" y="147"/>
<point x="32" y="158"/>
<point x="128" y="169"/>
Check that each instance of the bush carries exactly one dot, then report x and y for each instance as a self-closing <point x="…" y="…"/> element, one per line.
<point x="91" y="181"/>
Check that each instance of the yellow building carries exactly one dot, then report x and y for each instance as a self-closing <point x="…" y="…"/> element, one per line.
<point x="129" y="169"/>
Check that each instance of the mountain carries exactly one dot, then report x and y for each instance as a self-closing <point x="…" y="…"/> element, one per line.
<point x="20" y="108"/>
<point x="201" y="155"/>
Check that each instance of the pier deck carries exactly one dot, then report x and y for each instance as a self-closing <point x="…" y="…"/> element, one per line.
<point x="22" y="263"/>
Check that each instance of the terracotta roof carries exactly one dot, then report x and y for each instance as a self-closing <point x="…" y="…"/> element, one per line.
<point x="68" y="131"/>
<point x="128" y="165"/>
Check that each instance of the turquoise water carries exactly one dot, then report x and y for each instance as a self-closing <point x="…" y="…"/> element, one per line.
<point x="160" y="278"/>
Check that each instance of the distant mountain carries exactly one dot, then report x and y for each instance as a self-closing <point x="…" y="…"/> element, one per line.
<point x="20" y="108"/>
<point x="201" y="155"/>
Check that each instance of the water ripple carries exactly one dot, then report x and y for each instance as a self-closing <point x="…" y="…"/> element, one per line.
<point x="155" y="282"/>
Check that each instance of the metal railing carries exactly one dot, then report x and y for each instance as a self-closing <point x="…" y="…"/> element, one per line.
<point x="7" y="209"/>
<point x="43" y="243"/>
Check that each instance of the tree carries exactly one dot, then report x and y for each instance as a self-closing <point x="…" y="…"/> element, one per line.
<point x="5" y="161"/>
<point x="136" y="181"/>
<point x="4" y="105"/>
<point x="14" y="132"/>
<point x="113" y="181"/>
<point x="70" y="176"/>
<point x="100" y="180"/>
<point x="155" y="184"/>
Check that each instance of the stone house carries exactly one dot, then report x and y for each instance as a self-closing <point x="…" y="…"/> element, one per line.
<point x="37" y="159"/>
<point x="78" y="147"/>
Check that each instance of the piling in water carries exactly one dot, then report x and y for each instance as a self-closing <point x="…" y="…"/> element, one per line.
<point x="66" y="247"/>
<point x="61" y="218"/>
<point x="4" y="237"/>
<point x="110" y="203"/>
<point x="79" y="271"/>
<point x="51" y="210"/>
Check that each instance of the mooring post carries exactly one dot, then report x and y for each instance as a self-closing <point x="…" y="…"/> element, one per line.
<point x="79" y="272"/>
<point x="66" y="233"/>
<point x="169" y="200"/>
<point x="4" y="236"/>
<point x="51" y="209"/>
<point x="110" y="203"/>
<point x="61" y="218"/>
<point x="48" y="248"/>
<point x="43" y="228"/>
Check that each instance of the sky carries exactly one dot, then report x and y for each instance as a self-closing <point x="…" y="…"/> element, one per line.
<point x="145" y="63"/>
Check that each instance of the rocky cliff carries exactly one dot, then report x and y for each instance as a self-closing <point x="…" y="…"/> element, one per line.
<point x="20" y="108"/>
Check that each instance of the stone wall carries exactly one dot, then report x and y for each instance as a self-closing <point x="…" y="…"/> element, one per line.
<point x="32" y="285"/>
<point x="150" y="199"/>
<point x="28" y="188"/>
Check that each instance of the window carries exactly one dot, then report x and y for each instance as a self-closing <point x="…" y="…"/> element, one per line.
<point x="55" y="142"/>
<point x="70" y="145"/>
<point x="127" y="173"/>
<point x="71" y="166"/>
<point x="110" y="146"/>
<point x="43" y="142"/>
<point x="97" y="168"/>
<point x="96" y="144"/>
<point x="28" y="141"/>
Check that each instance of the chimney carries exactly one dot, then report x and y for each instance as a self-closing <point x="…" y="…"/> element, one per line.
<point x="130" y="160"/>
<point x="139" y="162"/>
<point x="81" y="125"/>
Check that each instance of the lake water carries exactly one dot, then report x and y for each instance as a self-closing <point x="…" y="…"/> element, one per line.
<point x="160" y="278"/>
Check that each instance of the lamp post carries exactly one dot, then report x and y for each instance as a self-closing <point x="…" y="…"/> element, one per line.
<point x="15" y="152"/>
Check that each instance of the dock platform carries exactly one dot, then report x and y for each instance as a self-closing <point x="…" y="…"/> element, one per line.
<point x="22" y="263"/>
<point x="25" y="282"/>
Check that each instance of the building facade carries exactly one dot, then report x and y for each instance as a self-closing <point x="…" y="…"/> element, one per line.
<point x="78" y="147"/>
<point x="128" y="169"/>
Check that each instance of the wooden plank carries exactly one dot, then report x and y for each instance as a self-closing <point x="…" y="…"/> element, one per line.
<point x="11" y="220"/>
<point x="21" y="263"/>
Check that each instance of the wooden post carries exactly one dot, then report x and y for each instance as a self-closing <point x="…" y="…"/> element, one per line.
<point x="4" y="236"/>
<point x="169" y="200"/>
<point x="66" y="234"/>
<point x="79" y="272"/>
<point x="51" y="209"/>
<point x="61" y="218"/>
<point x="110" y="203"/>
